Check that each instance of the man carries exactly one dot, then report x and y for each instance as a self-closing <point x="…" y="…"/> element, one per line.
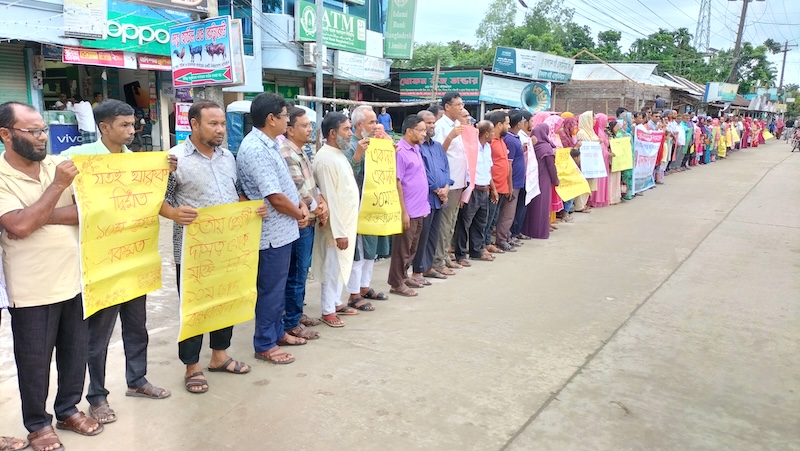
<point x="619" y="114"/>
<point x="334" y="248"/>
<point x="508" y="204"/>
<point x="437" y="110"/>
<point x="85" y="117"/>
<point x="501" y="176"/>
<point x="263" y="175"/>
<point x="412" y="190"/>
<point x="205" y="177"/>
<point x="384" y="119"/>
<point x="98" y="99"/>
<point x="437" y="170"/>
<point x="298" y="134"/>
<point x="448" y="133"/>
<point x="116" y="121"/>
<point x="473" y="215"/>
<point x="688" y="141"/>
<point x="367" y="248"/>
<point x="61" y="103"/>
<point x="523" y="132"/>
<point x="678" y="139"/>
<point x="38" y="219"/>
<point x="660" y="102"/>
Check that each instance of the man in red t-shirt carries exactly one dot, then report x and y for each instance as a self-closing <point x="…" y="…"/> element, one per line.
<point x="501" y="173"/>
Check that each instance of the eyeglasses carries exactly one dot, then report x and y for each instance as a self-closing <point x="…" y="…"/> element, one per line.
<point x="280" y="116"/>
<point x="36" y="132"/>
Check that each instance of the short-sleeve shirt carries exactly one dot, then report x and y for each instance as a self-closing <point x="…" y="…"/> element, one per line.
<point x="95" y="148"/>
<point x="500" y="166"/>
<point x="386" y="120"/>
<point x="262" y="172"/>
<point x="200" y="182"/>
<point x="483" y="171"/>
<point x="456" y="155"/>
<point x="517" y="154"/>
<point x="43" y="268"/>
<point x="413" y="179"/>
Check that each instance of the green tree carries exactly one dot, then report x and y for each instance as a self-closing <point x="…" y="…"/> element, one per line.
<point x="500" y="16"/>
<point x="426" y="55"/>
<point x="608" y="45"/>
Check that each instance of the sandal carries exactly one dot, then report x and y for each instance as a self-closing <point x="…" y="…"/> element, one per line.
<point x="308" y="321"/>
<point x="434" y="274"/>
<point x="421" y="281"/>
<point x="44" y="438"/>
<point x="346" y="311"/>
<point x="302" y="331"/>
<point x="446" y="271"/>
<point x="371" y="294"/>
<point x="361" y="304"/>
<point x="411" y="283"/>
<point x="404" y="291"/>
<point x="102" y="413"/>
<point x="13" y="444"/>
<point x="193" y="381"/>
<point x="290" y="340"/>
<point x="238" y="367"/>
<point x="494" y="249"/>
<point x="332" y="320"/>
<point x="485" y="258"/>
<point x="275" y="355"/>
<point x="148" y="390"/>
<point x="80" y="424"/>
<point x="524" y="237"/>
<point x="452" y="265"/>
<point x="465" y="263"/>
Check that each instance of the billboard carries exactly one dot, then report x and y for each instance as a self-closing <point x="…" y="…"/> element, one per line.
<point x="201" y="53"/>
<point x="720" y="92"/>
<point x="419" y="85"/>
<point x="398" y="39"/>
<point x="532" y="64"/>
<point x="534" y="97"/>
<point x="339" y="30"/>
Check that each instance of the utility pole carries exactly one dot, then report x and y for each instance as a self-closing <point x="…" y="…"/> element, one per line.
<point x="321" y="54"/>
<point x="783" y="66"/>
<point x="738" y="47"/>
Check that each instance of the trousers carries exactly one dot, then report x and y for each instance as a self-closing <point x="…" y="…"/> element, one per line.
<point x="189" y="349"/>
<point x="471" y="225"/>
<point x="331" y="282"/>
<point x="360" y="275"/>
<point x="404" y="247"/>
<point x="273" y="270"/>
<point x="505" y="217"/>
<point x="447" y="228"/>
<point x="428" y="240"/>
<point x="296" y="281"/>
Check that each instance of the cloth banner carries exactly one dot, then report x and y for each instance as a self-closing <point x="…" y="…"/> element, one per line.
<point x="471" y="145"/>
<point x="119" y="197"/>
<point x="219" y="266"/>
<point x="767" y="135"/>
<point x="571" y="182"/>
<point x="735" y="133"/>
<point x="623" y="154"/>
<point x="531" y="177"/>
<point x="646" y="146"/>
<point x="593" y="166"/>
<point x="380" y="213"/>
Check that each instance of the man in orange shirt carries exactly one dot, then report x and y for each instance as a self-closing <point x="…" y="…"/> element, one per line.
<point x="501" y="174"/>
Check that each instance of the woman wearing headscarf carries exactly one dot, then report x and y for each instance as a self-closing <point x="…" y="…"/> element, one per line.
<point x="762" y="127"/>
<point x="567" y="132"/>
<point x="586" y="133"/>
<point x="539" y="118"/>
<point x="554" y="124"/>
<point x="779" y="125"/>
<point x="746" y="131"/>
<point x="600" y="195"/>
<point x="626" y="177"/>
<point x="537" y="218"/>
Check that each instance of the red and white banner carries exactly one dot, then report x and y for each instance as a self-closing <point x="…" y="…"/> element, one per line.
<point x="646" y="147"/>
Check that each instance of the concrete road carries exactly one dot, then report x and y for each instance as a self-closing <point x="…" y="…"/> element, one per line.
<point x="669" y="322"/>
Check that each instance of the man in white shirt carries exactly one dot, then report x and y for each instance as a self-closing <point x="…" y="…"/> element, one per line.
<point x="448" y="132"/>
<point x="85" y="117"/>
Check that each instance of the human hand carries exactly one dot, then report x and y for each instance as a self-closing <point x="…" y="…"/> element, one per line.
<point x="185" y="215"/>
<point x="406" y="221"/>
<point x="341" y="243"/>
<point x="66" y="171"/>
<point x="456" y="132"/>
<point x="322" y="210"/>
<point x="361" y="148"/>
<point x="304" y="220"/>
<point x="173" y="163"/>
<point x="494" y="197"/>
<point x="262" y="210"/>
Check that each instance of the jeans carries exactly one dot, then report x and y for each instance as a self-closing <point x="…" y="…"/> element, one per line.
<point x="37" y="331"/>
<point x="133" y="315"/>
<point x="273" y="270"/>
<point x="471" y="226"/>
<point x="298" y="273"/>
<point x="519" y="216"/>
<point x="491" y="221"/>
<point x="189" y="349"/>
<point x="568" y="203"/>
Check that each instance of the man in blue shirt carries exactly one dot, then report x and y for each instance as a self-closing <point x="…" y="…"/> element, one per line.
<point x="385" y="120"/>
<point x="263" y="175"/>
<point x="508" y="204"/>
<point x="437" y="169"/>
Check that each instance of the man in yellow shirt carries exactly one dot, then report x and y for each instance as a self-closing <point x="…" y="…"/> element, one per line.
<point x="39" y="218"/>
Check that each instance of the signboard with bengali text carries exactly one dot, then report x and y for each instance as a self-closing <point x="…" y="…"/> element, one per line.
<point x="201" y="53"/>
<point x="419" y="85"/>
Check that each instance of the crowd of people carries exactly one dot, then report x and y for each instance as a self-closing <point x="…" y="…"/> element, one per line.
<point x="453" y="216"/>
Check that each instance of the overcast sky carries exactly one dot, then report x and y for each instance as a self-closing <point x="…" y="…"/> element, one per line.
<point x="448" y="20"/>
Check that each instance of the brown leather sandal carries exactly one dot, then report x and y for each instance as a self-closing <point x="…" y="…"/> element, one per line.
<point x="43" y="438"/>
<point x="80" y="424"/>
<point x="12" y="444"/>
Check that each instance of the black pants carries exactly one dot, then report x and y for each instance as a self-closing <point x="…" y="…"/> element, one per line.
<point x="471" y="225"/>
<point x="37" y="331"/>
<point x="189" y="349"/>
<point x="133" y="315"/>
<point x="519" y="216"/>
<point x="423" y="261"/>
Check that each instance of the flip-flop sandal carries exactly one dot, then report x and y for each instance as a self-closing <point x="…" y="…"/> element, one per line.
<point x="373" y="296"/>
<point x="302" y="341"/>
<point x="195" y="382"/>
<point x="411" y="283"/>
<point x="422" y="281"/>
<point x="365" y="307"/>
<point x="485" y="258"/>
<point x="330" y="321"/>
<point x="452" y="265"/>
<point x="408" y="293"/>
<point x="237" y="367"/>
<point x="465" y="263"/>
<point x="270" y="357"/>
<point x="446" y="272"/>
<point x="434" y="274"/>
<point x="347" y="311"/>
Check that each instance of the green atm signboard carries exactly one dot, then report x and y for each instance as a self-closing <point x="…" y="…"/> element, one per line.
<point x="419" y="85"/>
<point x="339" y="30"/>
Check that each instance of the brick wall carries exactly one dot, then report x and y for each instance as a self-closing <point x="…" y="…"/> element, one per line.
<point x="605" y="96"/>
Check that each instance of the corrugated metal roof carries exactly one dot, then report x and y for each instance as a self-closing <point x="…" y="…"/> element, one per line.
<point x="640" y="73"/>
<point x="691" y="87"/>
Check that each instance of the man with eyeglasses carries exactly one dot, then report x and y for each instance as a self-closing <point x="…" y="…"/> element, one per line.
<point x="263" y="175"/>
<point x="412" y="190"/>
<point x="298" y="134"/>
<point x="38" y="219"/>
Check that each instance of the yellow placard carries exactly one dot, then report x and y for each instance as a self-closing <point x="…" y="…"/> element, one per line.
<point x="219" y="266"/>
<point x="119" y="197"/>
<point x="571" y="182"/>
<point x="767" y="135"/>
<point x="623" y="154"/>
<point x="735" y="134"/>
<point x="380" y="213"/>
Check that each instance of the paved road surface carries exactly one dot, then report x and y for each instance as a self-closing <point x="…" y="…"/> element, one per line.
<point x="670" y="322"/>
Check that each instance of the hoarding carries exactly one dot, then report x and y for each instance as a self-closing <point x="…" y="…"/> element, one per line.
<point x="419" y="85"/>
<point x="532" y="64"/>
<point x="339" y="30"/>
<point x="201" y="53"/>
<point x="720" y="92"/>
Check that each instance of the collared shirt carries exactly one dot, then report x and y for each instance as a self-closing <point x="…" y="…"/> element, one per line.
<point x="95" y="148"/>
<point x="386" y="120"/>
<point x="43" y="268"/>
<point x="200" y="182"/>
<point x="262" y="172"/>
<point x="300" y="169"/>
<point x="517" y="154"/>
<point x="483" y="171"/>
<point x="500" y="166"/>
<point x="411" y="173"/>
<point x="358" y="166"/>
<point x="437" y="168"/>
<point x="84" y="115"/>
<point x="455" y="153"/>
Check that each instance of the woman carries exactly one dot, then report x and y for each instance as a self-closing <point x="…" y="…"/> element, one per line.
<point x="537" y="219"/>
<point x="586" y="133"/>
<point x="761" y="127"/>
<point x="779" y="125"/>
<point x="600" y="195"/>
<point x="698" y="142"/>
<point x="567" y="132"/>
<point x="554" y="124"/>
<point x="614" y="178"/>
<point x="626" y="177"/>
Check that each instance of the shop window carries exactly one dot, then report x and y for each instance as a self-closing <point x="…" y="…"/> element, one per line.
<point x="275" y="6"/>
<point x="240" y="9"/>
<point x="374" y="11"/>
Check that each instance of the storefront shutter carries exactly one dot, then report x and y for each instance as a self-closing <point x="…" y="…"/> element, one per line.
<point x="13" y="81"/>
